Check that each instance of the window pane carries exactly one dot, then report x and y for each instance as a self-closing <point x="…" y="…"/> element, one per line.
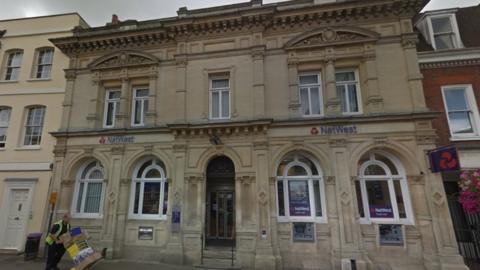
<point x="308" y="79"/>
<point x="215" y="104"/>
<point x="352" y="95"/>
<point x="110" y="113"/>
<point x="144" y="166"/>
<point x="304" y="101"/>
<point x="138" y="112"/>
<point x="388" y="162"/>
<point x="309" y="163"/>
<point x="281" y="199"/>
<point x="79" y="199"/>
<point x="317" y="198"/>
<point x="358" y="190"/>
<point x="93" y="197"/>
<point x="297" y="171"/>
<point x="165" y="199"/>
<point x="223" y="83"/>
<point x="443" y="42"/>
<point x="375" y="170"/>
<point x="314" y="91"/>
<point x="142" y="93"/>
<point x="399" y="195"/>
<point x="96" y="174"/>
<point x="342" y="95"/>
<point x="4" y="117"/>
<point x="151" y="198"/>
<point x="299" y="199"/>
<point x="345" y="76"/>
<point x="87" y="169"/>
<point x="379" y="199"/>
<point x="153" y="173"/>
<point x="16" y="59"/>
<point x="114" y="94"/>
<point x="3" y="134"/>
<point x="460" y="122"/>
<point x="225" y="104"/>
<point x="137" y="198"/>
<point x="441" y="25"/>
<point x="456" y="100"/>
<point x="13" y="75"/>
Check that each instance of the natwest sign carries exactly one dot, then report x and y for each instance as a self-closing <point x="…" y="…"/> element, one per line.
<point x="116" y="139"/>
<point x="334" y="130"/>
<point x="444" y="159"/>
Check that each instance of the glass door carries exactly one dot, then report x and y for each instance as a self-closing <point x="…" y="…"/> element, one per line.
<point x="221" y="215"/>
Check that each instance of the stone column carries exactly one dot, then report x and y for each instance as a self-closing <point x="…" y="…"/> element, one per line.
<point x="333" y="102"/>
<point x="122" y="120"/>
<point x="94" y="117"/>
<point x="112" y="182"/>
<point x="181" y="89"/>
<point x="415" y="77"/>
<point x="151" y="115"/>
<point x="264" y="257"/>
<point x="258" y="55"/>
<point x="374" y="99"/>
<point x="70" y="76"/>
<point x="294" y="104"/>
<point x="174" y="251"/>
<point x="332" y="213"/>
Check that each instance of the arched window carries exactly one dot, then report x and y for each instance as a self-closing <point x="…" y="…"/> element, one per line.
<point x="149" y="194"/>
<point x="300" y="189"/>
<point x="89" y="190"/>
<point x="382" y="190"/>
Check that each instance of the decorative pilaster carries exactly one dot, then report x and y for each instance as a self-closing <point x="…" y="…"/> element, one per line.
<point x="333" y="102"/>
<point x="374" y="99"/>
<point x="151" y="115"/>
<point x="294" y="104"/>
<point x="93" y="118"/>
<point x="415" y="77"/>
<point x="181" y="88"/>
<point x="70" y="76"/>
<point x="258" y="55"/>
<point x="122" y="113"/>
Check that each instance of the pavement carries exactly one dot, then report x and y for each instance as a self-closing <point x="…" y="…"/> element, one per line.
<point x="16" y="262"/>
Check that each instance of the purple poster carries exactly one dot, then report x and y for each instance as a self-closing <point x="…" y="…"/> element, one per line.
<point x="381" y="211"/>
<point x="299" y="198"/>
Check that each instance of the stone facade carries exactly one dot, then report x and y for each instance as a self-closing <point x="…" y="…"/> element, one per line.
<point x="261" y="50"/>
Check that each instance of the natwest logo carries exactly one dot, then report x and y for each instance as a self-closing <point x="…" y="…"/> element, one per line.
<point x="116" y="140"/>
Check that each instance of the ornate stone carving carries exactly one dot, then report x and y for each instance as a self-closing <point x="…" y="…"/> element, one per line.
<point x="344" y="197"/>
<point x="112" y="196"/>
<point x="330" y="180"/>
<point x="125" y="181"/>
<point x="262" y="197"/>
<point x="438" y="198"/>
<point x="246" y="179"/>
<point x="416" y="179"/>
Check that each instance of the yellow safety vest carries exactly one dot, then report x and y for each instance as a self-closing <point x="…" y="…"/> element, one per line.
<point x="50" y="239"/>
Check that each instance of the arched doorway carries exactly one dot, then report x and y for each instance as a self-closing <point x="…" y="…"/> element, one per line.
<point x="220" y="208"/>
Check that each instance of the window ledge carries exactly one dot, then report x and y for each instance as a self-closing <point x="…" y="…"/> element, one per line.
<point x="163" y="218"/>
<point x="467" y="138"/>
<point x="39" y="79"/>
<point x="9" y="81"/>
<point x="287" y="220"/>
<point x="28" y="148"/>
<point x="80" y="216"/>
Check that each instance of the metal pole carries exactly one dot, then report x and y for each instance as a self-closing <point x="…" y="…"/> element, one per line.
<point x="50" y="218"/>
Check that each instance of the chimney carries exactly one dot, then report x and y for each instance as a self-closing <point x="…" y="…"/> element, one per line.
<point x="115" y="19"/>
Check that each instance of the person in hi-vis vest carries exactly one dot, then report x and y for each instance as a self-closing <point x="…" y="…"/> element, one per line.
<point x="55" y="245"/>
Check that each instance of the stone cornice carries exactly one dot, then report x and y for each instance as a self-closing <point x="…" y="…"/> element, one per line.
<point x="225" y="128"/>
<point x="278" y="16"/>
<point x="450" y="64"/>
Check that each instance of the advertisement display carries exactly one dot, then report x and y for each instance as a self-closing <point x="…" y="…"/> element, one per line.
<point x="390" y="235"/>
<point x="176" y="214"/>
<point x="381" y="211"/>
<point x="303" y="232"/>
<point x="299" y="199"/>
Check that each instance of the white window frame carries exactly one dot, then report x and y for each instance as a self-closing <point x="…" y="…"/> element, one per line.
<point x="86" y="182"/>
<point x="363" y="179"/>
<point x="143" y="101"/>
<point x="38" y="64"/>
<point x="142" y="180"/>
<point x="220" y="98"/>
<point x="310" y="178"/>
<point x="7" y="66"/>
<point x="457" y="42"/>
<point x="309" y="87"/>
<point x="9" y="109"/>
<point x="41" y="125"/>
<point x="116" y="102"/>
<point x="474" y="113"/>
<point x="358" y="88"/>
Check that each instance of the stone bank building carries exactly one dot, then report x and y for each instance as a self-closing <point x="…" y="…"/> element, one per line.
<point x="295" y="132"/>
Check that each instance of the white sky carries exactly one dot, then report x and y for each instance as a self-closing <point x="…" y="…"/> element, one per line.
<point x="98" y="12"/>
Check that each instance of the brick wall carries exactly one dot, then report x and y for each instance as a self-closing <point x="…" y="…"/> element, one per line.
<point x="434" y="79"/>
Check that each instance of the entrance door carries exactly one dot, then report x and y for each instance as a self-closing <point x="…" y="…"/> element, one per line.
<point x="221" y="215"/>
<point x="16" y="218"/>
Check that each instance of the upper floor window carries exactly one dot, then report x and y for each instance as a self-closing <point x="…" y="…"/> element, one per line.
<point x="444" y="32"/>
<point x="4" y="122"/>
<point x="348" y="91"/>
<point x="219" y="98"/>
<point x="149" y="192"/>
<point x="300" y="190"/>
<point x="34" y="126"/>
<point x="462" y="112"/>
<point x="310" y="94"/>
<point x="89" y="190"/>
<point x="139" y="106"/>
<point x="44" y="61"/>
<point x="13" y="64"/>
<point x="382" y="190"/>
<point x="112" y="99"/>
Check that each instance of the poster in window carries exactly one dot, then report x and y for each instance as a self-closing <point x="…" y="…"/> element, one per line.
<point x="303" y="232"/>
<point x="381" y="211"/>
<point x="176" y="212"/>
<point x="391" y="235"/>
<point x="299" y="198"/>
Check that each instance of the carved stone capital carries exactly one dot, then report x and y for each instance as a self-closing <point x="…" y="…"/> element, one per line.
<point x="260" y="145"/>
<point x="70" y="74"/>
<point x="418" y="179"/>
<point x="125" y="181"/>
<point x="246" y="179"/>
<point x="330" y="180"/>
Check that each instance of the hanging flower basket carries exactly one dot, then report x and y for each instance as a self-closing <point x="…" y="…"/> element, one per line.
<point x="470" y="191"/>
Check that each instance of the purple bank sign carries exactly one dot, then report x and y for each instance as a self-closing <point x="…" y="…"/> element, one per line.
<point x="381" y="211"/>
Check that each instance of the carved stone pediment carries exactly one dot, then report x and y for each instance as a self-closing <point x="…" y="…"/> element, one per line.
<point x="123" y="59"/>
<point x="330" y="37"/>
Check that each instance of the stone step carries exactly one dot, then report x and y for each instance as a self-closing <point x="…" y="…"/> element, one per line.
<point x="217" y="263"/>
<point x="219" y="254"/>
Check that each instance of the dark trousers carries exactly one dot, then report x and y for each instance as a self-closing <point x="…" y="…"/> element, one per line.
<point x="55" y="254"/>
